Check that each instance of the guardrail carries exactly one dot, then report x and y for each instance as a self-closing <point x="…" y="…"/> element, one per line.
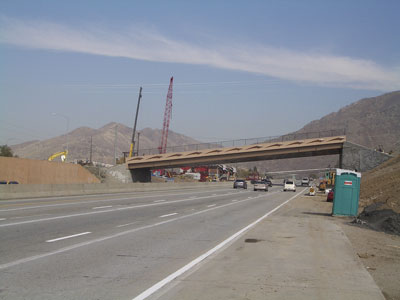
<point x="244" y="142"/>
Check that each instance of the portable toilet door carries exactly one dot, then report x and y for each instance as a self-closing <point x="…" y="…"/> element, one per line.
<point x="346" y="193"/>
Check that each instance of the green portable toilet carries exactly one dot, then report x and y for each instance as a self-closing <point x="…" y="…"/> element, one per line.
<point x="346" y="193"/>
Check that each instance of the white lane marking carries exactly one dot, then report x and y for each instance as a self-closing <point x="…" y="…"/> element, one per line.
<point x="212" y="205"/>
<point x="67" y="237"/>
<point x="164" y="216"/>
<point x="234" y="200"/>
<point x="30" y="216"/>
<point x="202" y="257"/>
<point x="102" y="239"/>
<point x="2" y="219"/>
<point x="158" y="201"/>
<point x="214" y="194"/>
<point x="90" y="201"/>
<point x="105" y="211"/>
<point x="123" y="225"/>
<point x="100" y="207"/>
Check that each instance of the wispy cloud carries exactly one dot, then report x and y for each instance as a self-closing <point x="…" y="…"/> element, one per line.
<point x="314" y="68"/>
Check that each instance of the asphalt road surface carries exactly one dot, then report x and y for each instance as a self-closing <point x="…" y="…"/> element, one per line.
<point x="116" y="246"/>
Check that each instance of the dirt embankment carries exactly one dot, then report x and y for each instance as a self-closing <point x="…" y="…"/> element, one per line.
<point x="380" y="198"/>
<point x="382" y="186"/>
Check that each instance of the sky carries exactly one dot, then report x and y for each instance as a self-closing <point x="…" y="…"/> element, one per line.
<point x="241" y="69"/>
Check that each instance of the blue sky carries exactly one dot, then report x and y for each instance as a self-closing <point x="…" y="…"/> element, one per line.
<point x="241" y="68"/>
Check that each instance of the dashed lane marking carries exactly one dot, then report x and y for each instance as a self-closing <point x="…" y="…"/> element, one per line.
<point x="67" y="237"/>
<point x="100" y="207"/>
<point x="168" y="215"/>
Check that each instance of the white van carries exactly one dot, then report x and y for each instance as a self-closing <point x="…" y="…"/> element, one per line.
<point x="289" y="186"/>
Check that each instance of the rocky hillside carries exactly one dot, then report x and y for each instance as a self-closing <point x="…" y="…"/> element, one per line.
<point x="102" y="143"/>
<point x="369" y="122"/>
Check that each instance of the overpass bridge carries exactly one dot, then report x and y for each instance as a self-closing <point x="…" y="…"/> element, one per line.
<point x="140" y="166"/>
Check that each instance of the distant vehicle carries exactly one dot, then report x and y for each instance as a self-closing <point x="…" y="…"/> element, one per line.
<point x="240" y="183"/>
<point x="305" y="181"/>
<point x="260" y="185"/>
<point x="329" y="198"/>
<point x="289" y="186"/>
<point x="268" y="182"/>
<point x="8" y="182"/>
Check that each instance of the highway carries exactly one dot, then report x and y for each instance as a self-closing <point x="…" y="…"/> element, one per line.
<point x="116" y="246"/>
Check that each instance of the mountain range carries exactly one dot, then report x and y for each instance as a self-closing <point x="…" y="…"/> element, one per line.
<point x="371" y="122"/>
<point x="102" y="140"/>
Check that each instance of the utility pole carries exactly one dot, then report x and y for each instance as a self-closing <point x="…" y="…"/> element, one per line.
<point x="115" y="144"/>
<point x="134" y="126"/>
<point x="91" y="144"/>
<point x="138" y="137"/>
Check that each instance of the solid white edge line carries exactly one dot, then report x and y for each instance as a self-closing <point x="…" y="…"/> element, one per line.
<point x="158" y="201"/>
<point x="211" y="205"/>
<point x="164" y="216"/>
<point x="202" y="257"/>
<point x="67" y="237"/>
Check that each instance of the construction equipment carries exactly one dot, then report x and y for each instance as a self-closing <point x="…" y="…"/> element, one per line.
<point x="330" y="178"/>
<point x="134" y="126"/>
<point x="63" y="155"/>
<point x="167" y="117"/>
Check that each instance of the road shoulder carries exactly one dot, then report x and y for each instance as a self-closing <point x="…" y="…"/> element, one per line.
<point x="299" y="252"/>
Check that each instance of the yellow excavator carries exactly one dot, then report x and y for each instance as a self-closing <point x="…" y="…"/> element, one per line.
<point x="63" y="155"/>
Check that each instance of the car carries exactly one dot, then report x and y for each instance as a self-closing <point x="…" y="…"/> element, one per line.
<point x="240" y="183"/>
<point x="260" y="186"/>
<point x="305" y="181"/>
<point x="8" y="182"/>
<point x="329" y="198"/>
<point x="289" y="186"/>
<point x="268" y="182"/>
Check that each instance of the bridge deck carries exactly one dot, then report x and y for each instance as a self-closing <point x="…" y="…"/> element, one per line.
<point x="263" y="151"/>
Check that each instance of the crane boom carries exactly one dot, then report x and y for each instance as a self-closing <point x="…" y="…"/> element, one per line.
<point x="167" y="118"/>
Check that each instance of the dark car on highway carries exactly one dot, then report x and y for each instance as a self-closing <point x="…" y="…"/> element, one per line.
<point x="268" y="182"/>
<point x="240" y="183"/>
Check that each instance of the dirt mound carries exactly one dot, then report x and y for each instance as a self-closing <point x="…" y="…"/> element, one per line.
<point x="382" y="186"/>
<point x="380" y="219"/>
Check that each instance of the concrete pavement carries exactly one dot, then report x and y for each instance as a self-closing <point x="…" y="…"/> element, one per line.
<point x="297" y="253"/>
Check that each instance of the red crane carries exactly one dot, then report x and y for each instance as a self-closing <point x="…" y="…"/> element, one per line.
<point x="167" y="118"/>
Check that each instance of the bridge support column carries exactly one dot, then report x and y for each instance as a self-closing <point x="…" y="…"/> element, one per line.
<point x="141" y="175"/>
<point x="341" y="159"/>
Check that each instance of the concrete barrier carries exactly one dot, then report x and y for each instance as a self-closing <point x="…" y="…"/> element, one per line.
<point x="19" y="191"/>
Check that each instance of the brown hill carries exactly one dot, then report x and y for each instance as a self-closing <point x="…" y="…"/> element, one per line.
<point x="102" y="143"/>
<point x="369" y="122"/>
<point x="382" y="186"/>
